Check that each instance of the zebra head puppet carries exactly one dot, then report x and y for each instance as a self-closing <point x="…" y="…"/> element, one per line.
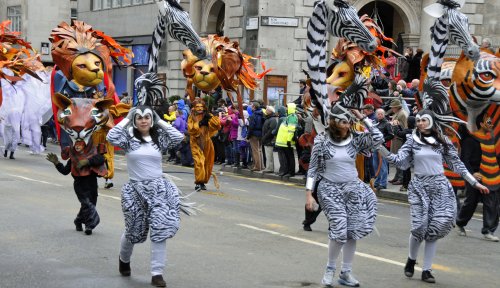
<point x="450" y="25"/>
<point x="174" y="19"/>
<point x="341" y="20"/>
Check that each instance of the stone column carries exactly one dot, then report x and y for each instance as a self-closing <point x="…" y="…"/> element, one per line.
<point x="411" y="40"/>
<point x="195" y="14"/>
<point x="426" y="22"/>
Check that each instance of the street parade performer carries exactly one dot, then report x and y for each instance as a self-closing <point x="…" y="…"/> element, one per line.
<point x="430" y="194"/>
<point x="16" y="60"/>
<point x="149" y="201"/>
<point x="78" y="117"/>
<point x="350" y="205"/>
<point x="84" y="70"/>
<point x="202" y="126"/>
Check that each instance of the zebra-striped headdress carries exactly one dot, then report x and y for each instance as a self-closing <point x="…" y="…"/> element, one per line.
<point x="352" y="98"/>
<point x="435" y="98"/>
<point x="149" y="89"/>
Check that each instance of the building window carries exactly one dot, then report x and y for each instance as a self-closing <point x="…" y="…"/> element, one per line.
<point x="96" y="4"/>
<point x="126" y="2"/>
<point x="135" y="2"/>
<point x="14" y="14"/>
<point x="117" y="3"/>
<point x="106" y="4"/>
<point x="74" y="13"/>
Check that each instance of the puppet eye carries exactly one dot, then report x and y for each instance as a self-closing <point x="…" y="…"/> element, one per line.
<point x="67" y="112"/>
<point x="94" y="112"/>
<point x="486" y="76"/>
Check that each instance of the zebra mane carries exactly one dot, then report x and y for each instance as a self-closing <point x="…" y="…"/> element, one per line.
<point x="355" y="94"/>
<point x="352" y="98"/>
<point x="341" y="3"/>
<point x="174" y="4"/>
<point x="449" y="4"/>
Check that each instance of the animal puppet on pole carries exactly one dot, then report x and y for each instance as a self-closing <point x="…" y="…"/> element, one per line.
<point x="341" y="20"/>
<point x="150" y="88"/>
<point x="83" y="58"/>
<point x="228" y="68"/>
<point x="172" y="19"/>
<point x="349" y="60"/>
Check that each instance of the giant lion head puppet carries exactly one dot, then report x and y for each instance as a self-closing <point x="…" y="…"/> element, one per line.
<point x="227" y="68"/>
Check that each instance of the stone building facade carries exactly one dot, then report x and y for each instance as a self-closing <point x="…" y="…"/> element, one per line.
<point x="36" y="18"/>
<point x="274" y="30"/>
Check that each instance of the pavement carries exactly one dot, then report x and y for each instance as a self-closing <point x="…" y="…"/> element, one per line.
<point x="248" y="234"/>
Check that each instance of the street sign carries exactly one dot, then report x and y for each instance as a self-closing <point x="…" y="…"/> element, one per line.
<point x="252" y="23"/>
<point x="44" y="48"/>
<point x="280" y="21"/>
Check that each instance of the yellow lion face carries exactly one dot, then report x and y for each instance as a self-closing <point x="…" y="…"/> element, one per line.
<point x="87" y="70"/>
<point x="342" y="75"/>
<point x="204" y="76"/>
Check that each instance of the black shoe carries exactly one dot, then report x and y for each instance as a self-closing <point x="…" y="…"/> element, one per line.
<point x="203" y="187"/>
<point x="287" y="175"/>
<point x="78" y="227"/>
<point x="5" y="154"/>
<point x="410" y="267"/>
<point x="158" y="281"/>
<point x="427" y="276"/>
<point x="88" y="231"/>
<point x="108" y="185"/>
<point x="123" y="267"/>
<point x="307" y="228"/>
<point x="12" y="156"/>
<point x="197" y="188"/>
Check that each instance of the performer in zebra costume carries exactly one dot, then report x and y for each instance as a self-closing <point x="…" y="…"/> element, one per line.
<point x="149" y="201"/>
<point x="349" y="204"/>
<point x="430" y="194"/>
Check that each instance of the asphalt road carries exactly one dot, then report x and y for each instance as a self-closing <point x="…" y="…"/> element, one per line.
<point x="249" y="234"/>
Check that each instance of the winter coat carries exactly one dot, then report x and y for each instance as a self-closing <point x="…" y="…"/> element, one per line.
<point x="233" y="131"/>
<point x="268" y="139"/>
<point x="256" y="122"/>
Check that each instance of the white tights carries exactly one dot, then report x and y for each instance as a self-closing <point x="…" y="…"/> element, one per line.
<point x="429" y="251"/>
<point x="158" y="254"/>
<point x="348" y="249"/>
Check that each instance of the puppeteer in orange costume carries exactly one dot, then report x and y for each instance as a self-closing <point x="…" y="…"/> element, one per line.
<point x="202" y="126"/>
<point x="83" y="57"/>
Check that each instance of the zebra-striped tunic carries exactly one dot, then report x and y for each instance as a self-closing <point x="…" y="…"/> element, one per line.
<point x="151" y="202"/>
<point x="430" y="194"/>
<point x="350" y="206"/>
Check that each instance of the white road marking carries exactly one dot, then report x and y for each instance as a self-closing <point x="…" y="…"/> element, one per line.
<point x="109" y="196"/>
<point x="274" y="196"/>
<point x="385" y="216"/>
<point x="34" y="180"/>
<point x="242" y="190"/>
<point x="172" y="177"/>
<point x="365" y="255"/>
